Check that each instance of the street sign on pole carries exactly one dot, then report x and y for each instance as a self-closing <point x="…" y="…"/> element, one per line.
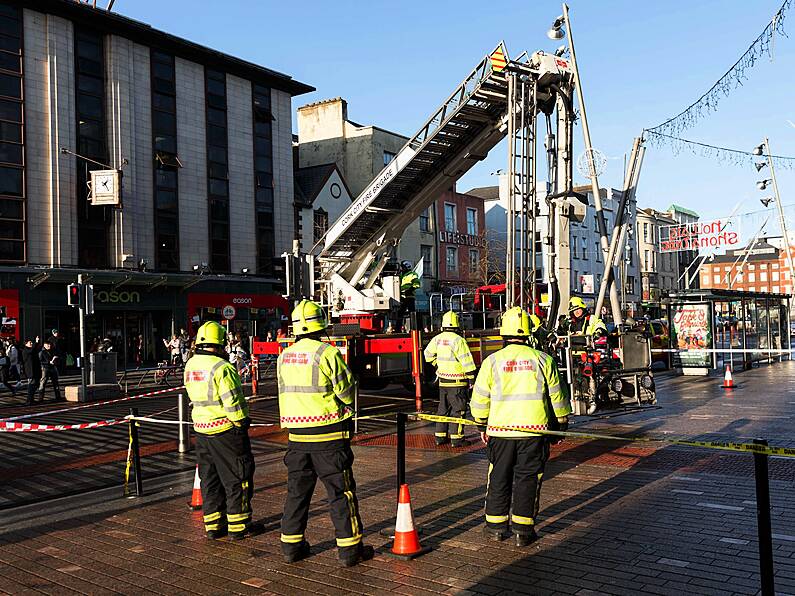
<point x="89" y="299"/>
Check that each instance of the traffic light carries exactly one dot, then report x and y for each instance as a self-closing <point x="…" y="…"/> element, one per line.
<point x="73" y="295"/>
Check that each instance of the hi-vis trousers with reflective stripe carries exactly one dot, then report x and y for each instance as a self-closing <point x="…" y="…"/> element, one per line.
<point x="516" y="467"/>
<point x="226" y="469"/>
<point x="333" y="467"/>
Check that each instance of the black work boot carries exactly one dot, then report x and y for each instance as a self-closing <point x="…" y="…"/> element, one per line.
<point x="442" y="441"/>
<point x="253" y="529"/>
<point x="353" y="555"/>
<point x="495" y="535"/>
<point x="526" y="539"/>
<point x="461" y="443"/>
<point x="216" y="534"/>
<point x="296" y="552"/>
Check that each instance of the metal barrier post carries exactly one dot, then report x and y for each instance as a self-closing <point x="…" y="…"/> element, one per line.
<point x="764" y="531"/>
<point x="401" y="449"/>
<point x="136" y="453"/>
<point x="184" y="429"/>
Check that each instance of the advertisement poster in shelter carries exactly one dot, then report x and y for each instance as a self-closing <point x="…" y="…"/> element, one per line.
<point x="692" y="331"/>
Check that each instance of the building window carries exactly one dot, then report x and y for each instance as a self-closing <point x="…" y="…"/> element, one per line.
<point x="645" y="232"/>
<point x="449" y="217"/>
<point x="716" y="279"/>
<point x="775" y="289"/>
<point x="452" y="259"/>
<point x="751" y="276"/>
<point x="388" y="157"/>
<point x="646" y="260"/>
<point x="320" y="224"/>
<point x="263" y="179"/>
<point x="426" y="252"/>
<point x="217" y="169"/>
<point x="584" y="246"/>
<point x="775" y="275"/>
<point x="630" y="255"/>
<point x="763" y="276"/>
<point x="472" y="221"/>
<point x="92" y="222"/>
<point x="474" y="260"/>
<point x="12" y="166"/>
<point x="763" y="289"/>
<point x="425" y="220"/>
<point x="630" y="285"/>
<point x="164" y="139"/>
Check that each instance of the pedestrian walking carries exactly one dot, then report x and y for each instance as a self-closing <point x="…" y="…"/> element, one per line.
<point x="58" y="347"/>
<point x="184" y="345"/>
<point x="49" y="370"/>
<point x="517" y="391"/>
<point x="221" y="421"/>
<point x="316" y="392"/>
<point x="5" y="368"/>
<point x="172" y="346"/>
<point x="16" y="365"/>
<point x="32" y="364"/>
<point x="455" y="370"/>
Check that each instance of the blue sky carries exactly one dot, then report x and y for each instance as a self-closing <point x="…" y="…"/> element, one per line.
<point x="641" y="62"/>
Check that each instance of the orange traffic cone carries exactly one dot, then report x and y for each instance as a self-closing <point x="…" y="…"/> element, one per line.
<point x="728" y="381"/>
<point x="196" y="498"/>
<point x="407" y="540"/>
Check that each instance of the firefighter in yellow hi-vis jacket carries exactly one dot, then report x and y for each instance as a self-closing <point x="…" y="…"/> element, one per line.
<point x="316" y="392"/>
<point x="220" y="419"/>
<point x="517" y="391"/>
<point x="455" y="369"/>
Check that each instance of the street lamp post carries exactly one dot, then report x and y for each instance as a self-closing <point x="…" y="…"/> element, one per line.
<point x="556" y="33"/>
<point x="787" y="249"/>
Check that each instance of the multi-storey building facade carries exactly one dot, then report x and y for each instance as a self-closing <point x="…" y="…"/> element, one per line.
<point x="686" y="258"/>
<point x="586" y="264"/>
<point x="758" y="268"/>
<point x="203" y="142"/>
<point x="659" y="270"/>
<point x="461" y="242"/>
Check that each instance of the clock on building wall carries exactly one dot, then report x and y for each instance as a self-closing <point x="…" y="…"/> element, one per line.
<point x="105" y="187"/>
<point x="336" y="191"/>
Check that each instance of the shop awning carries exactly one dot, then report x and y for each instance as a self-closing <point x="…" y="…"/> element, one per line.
<point x="117" y="278"/>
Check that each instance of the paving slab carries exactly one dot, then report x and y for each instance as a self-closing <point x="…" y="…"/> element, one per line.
<point x="616" y="518"/>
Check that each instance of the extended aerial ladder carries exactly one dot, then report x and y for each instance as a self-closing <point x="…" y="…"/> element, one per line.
<point x="500" y="97"/>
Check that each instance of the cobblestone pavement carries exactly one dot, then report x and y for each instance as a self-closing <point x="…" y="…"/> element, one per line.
<point x="640" y="518"/>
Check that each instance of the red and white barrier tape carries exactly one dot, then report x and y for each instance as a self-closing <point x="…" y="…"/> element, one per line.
<point x="27" y="427"/>
<point x="92" y="404"/>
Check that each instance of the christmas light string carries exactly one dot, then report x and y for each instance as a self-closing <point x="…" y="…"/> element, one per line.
<point x="733" y="78"/>
<point x="724" y="155"/>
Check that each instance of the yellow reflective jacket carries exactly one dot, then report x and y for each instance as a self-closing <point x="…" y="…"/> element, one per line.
<point x="215" y="392"/>
<point x="409" y="282"/>
<point x="450" y="354"/>
<point x="316" y="388"/>
<point x="511" y="392"/>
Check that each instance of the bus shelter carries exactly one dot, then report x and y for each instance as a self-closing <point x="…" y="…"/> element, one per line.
<point x="710" y="328"/>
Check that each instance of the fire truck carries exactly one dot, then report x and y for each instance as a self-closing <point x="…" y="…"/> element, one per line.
<point x="354" y="275"/>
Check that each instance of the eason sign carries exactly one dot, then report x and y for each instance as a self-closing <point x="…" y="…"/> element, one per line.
<point x="699" y="235"/>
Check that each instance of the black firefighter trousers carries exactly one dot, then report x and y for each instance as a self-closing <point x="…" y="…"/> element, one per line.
<point x="334" y="468"/>
<point x="452" y="402"/>
<point x="226" y="470"/>
<point x="516" y="467"/>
